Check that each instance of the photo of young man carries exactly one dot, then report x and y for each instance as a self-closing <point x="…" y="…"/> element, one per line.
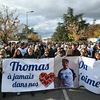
<point x="66" y="75"/>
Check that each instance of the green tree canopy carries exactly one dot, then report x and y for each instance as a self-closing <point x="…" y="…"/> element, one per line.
<point x="60" y="34"/>
<point x="73" y="26"/>
<point x="27" y="30"/>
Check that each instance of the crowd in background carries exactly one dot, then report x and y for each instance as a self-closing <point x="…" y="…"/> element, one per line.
<point x="49" y="50"/>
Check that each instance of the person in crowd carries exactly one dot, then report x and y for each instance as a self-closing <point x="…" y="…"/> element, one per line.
<point x="41" y="47"/>
<point x="69" y="50"/>
<point x="30" y="53"/>
<point x="97" y="55"/>
<point x="54" y="48"/>
<point x="23" y="48"/>
<point x="51" y="51"/>
<point x="75" y="51"/>
<point x="90" y="49"/>
<point x="8" y="51"/>
<point x="2" y="55"/>
<point x="59" y="52"/>
<point x="84" y="52"/>
<point x="46" y="53"/>
<point x="37" y="51"/>
<point x="14" y="46"/>
<point x="63" y="51"/>
<point x="96" y="48"/>
<point x="66" y="75"/>
<point x="17" y="54"/>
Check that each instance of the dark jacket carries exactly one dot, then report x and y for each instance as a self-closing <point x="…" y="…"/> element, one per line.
<point x="75" y="52"/>
<point x="29" y="56"/>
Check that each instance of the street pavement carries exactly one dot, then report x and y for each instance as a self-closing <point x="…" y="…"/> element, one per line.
<point x="59" y="94"/>
<point x="82" y="94"/>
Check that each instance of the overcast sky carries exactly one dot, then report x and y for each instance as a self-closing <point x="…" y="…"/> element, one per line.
<point x="47" y="13"/>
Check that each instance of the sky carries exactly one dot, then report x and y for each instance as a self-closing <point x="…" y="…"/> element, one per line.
<point x="47" y="13"/>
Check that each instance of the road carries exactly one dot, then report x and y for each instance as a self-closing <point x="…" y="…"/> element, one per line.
<point x="59" y="94"/>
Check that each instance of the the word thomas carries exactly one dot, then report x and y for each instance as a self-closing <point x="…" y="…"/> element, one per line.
<point x="17" y="66"/>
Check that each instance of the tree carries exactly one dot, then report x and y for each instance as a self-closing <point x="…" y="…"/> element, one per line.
<point x="28" y="33"/>
<point x="33" y="36"/>
<point x="60" y="34"/>
<point x="72" y="28"/>
<point x="27" y="30"/>
<point x="97" y="33"/>
<point x="94" y="31"/>
<point x="8" y="24"/>
<point x="75" y="25"/>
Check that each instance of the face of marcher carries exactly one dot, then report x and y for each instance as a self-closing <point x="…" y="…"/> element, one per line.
<point x="73" y="47"/>
<point x="30" y="51"/>
<point x="97" y="56"/>
<point x="46" y="53"/>
<point x="18" y="52"/>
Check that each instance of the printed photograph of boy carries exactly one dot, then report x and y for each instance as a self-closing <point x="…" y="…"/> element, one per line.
<point x="66" y="75"/>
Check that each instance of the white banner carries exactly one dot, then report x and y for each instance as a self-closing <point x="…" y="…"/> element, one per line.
<point x="89" y="71"/>
<point x="22" y="75"/>
<point x="27" y="75"/>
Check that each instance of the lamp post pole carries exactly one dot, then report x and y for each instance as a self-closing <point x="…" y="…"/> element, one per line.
<point x="27" y="16"/>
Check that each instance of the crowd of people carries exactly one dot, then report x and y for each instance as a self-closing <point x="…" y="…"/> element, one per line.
<point x="41" y="50"/>
<point x="49" y="50"/>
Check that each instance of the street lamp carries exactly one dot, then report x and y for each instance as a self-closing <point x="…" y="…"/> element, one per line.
<point x="27" y="16"/>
